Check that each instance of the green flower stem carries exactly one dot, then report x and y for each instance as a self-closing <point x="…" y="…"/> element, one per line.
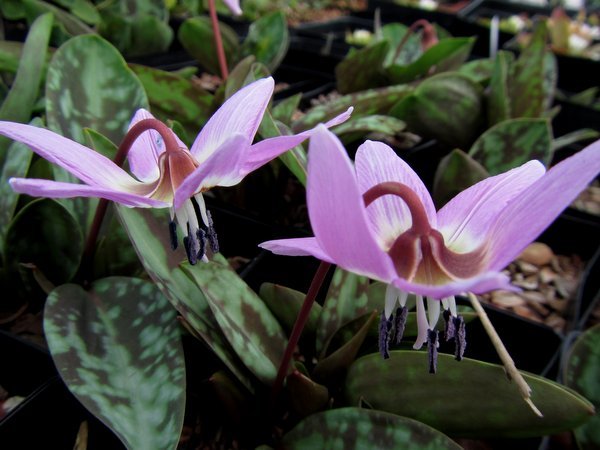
<point x="509" y="364"/>
<point x="301" y="320"/>
<point x="218" y="41"/>
<point x="135" y="131"/>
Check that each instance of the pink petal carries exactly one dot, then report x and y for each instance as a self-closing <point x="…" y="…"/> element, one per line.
<point x="234" y="6"/>
<point x="485" y="282"/>
<point x="532" y="211"/>
<point x="337" y="212"/>
<point x="223" y="168"/>
<point x="56" y="189"/>
<point x="466" y="220"/>
<point x="296" y="247"/>
<point x="240" y="114"/>
<point x="144" y="152"/>
<point x="376" y="163"/>
<point x="86" y="164"/>
<point x="264" y="151"/>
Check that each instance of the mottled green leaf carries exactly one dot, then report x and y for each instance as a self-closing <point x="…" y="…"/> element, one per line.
<point x="447" y="107"/>
<point x="174" y="97"/>
<point x="268" y="40"/>
<point x="513" y="142"/>
<point x="532" y="80"/>
<point x="363" y="69"/>
<point x="12" y="9"/>
<point x="365" y="103"/>
<point x="118" y="349"/>
<point x="196" y="36"/>
<point x="467" y="398"/>
<point x="498" y="100"/>
<point x="456" y="172"/>
<point x="251" y="329"/>
<point x="357" y="428"/>
<point x="239" y="75"/>
<point x="394" y="34"/>
<point x="306" y="396"/>
<point x="447" y="54"/>
<point x="71" y="24"/>
<point x="86" y="11"/>
<point x="24" y="92"/>
<point x="149" y="35"/>
<point x="150" y="238"/>
<point x="90" y="86"/>
<point x="285" y="304"/>
<point x="479" y="70"/>
<point x="358" y="127"/>
<point x="581" y="374"/>
<point x="285" y="109"/>
<point x="45" y="234"/>
<point x="346" y="300"/>
<point x="16" y="165"/>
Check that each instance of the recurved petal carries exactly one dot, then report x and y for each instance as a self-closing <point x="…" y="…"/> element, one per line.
<point x="337" y="212"/>
<point x="467" y="219"/>
<point x="538" y="205"/>
<point x="240" y="114"/>
<point x="145" y="150"/>
<point x="485" y="282"/>
<point x="377" y="163"/>
<point x="264" y="151"/>
<point x="296" y="247"/>
<point x="55" y="189"/>
<point x="234" y="6"/>
<point x="86" y="164"/>
<point x="223" y="168"/>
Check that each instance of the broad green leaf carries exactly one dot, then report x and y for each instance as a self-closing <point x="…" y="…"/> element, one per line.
<point x="394" y="34"/>
<point x="251" y="329"/>
<point x="513" y="142"/>
<point x="16" y="165"/>
<point x="479" y="70"/>
<point x="24" y="92"/>
<point x="10" y="55"/>
<point x="346" y="300"/>
<point x="456" y="172"/>
<point x="174" y="97"/>
<point x="21" y="98"/>
<point x="149" y="35"/>
<point x="357" y="428"/>
<point x="447" y="107"/>
<point x="90" y="86"/>
<point x="358" y="127"/>
<point x="365" y="103"/>
<point x="467" y="398"/>
<point x="498" y="100"/>
<point x="12" y="9"/>
<point x="100" y="143"/>
<point x="285" y="304"/>
<point x="117" y="347"/>
<point x="45" y="234"/>
<point x="239" y="75"/>
<point x="151" y="241"/>
<point x="581" y="374"/>
<point x="268" y="40"/>
<point x="86" y="11"/>
<point x="196" y="36"/>
<point x="285" y="109"/>
<point x="363" y="69"/>
<point x="532" y="80"/>
<point x="70" y="24"/>
<point x="306" y="396"/>
<point x="447" y="54"/>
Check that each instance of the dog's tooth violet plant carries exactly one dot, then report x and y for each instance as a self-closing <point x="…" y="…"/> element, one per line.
<point x="167" y="173"/>
<point x="377" y="219"/>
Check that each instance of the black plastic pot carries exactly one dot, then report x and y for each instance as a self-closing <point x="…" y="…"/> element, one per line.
<point x="393" y="12"/>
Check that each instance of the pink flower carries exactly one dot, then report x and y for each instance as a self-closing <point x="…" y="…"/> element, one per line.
<point x="376" y="218"/>
<point x="167" y="173"/>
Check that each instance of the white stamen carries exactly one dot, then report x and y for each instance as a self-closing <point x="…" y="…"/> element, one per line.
<point x="182" y="219"/>
<point x="422" y="325"/>
<point x="433" y="312"/>
<point x="391" y="296"/>
<point x="192" y="219"/>
<point x="452" y="306"/>
<point x="402" y="298"/>
<point x="202" y="207"/>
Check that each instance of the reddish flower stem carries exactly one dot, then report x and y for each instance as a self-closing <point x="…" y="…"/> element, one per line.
<point x="218" y="40"/>
<point x="301" y="320"/>
<point x="134" y="132"/>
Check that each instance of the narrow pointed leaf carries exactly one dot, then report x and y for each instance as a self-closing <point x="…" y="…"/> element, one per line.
<point x="355" y="128"/>
<point x="456" y="172"/>
<point x="346" y="300"/>
<point x="451" y="400"/>
<point x="268" y="40"/>
<point x="285" y="304"/>
<point x="357" y="428"/>
<point x="513" y="142"/>
<point x="581" y="374"/>
<point x="118" y="349"/>
<point x="575" y="136"/>
<point x="251" y="329"/>
<point x="363" y="69"/>
<point x="284" y="110"/>
<point x="306" y="396"/>
<point x="479" y="70"/>
<point x="498" y="100"/>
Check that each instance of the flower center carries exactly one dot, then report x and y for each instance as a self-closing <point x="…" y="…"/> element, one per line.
<point x="420" y="254"/>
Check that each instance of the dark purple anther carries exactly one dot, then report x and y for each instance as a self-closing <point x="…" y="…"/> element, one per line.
<point x="449" y="330"/>
<point x="400" y="323"/>
<point x="460" y="337"/>
<point x="432" y="339"/>
<point x="201" y="235"/>
<point x="211" y="234"/>
<point x="385" y="330"/>
<point x="173" y="234"/>
<point x="190" y="244"/>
